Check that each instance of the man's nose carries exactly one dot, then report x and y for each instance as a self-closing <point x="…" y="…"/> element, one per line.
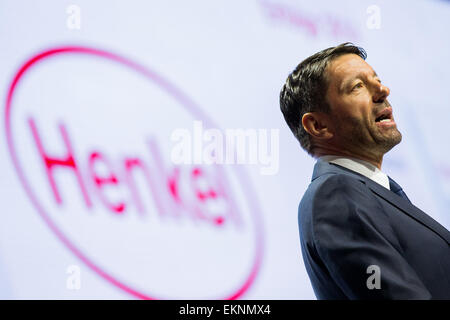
<point x="380" y="93"/>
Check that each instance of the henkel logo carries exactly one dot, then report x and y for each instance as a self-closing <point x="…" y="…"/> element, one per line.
<point x="89" y="136"/>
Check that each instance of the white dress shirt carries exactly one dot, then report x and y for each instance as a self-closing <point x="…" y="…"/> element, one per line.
<point x="360" y="166"/>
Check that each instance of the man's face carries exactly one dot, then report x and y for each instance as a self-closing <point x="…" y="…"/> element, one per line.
<point x="361" y="115"/>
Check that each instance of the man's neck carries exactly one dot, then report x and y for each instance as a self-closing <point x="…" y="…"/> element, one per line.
<point x="319" y="152"/>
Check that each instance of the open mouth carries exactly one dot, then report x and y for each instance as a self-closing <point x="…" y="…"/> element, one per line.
<point x="384" y="116"/>
<point x="383" y="119"/>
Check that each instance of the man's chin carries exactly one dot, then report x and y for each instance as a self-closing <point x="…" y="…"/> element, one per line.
<point x="389" y="142"/>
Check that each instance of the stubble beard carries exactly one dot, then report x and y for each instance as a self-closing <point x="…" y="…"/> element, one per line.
<point x="356" y="138"/>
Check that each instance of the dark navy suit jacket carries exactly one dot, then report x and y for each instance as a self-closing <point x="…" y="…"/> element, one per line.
<point x="348" y="222"/>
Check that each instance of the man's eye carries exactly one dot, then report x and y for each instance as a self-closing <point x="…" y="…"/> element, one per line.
<point x="356" y="86"/>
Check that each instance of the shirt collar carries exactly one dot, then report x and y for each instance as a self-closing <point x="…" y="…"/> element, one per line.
<point x="360" y="166"/>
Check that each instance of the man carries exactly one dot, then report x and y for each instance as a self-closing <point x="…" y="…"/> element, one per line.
<point x="361" y="237"/>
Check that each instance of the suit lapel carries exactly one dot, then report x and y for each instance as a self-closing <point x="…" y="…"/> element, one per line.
<point x="405" y="206"/>
<point x="409" y="209"/>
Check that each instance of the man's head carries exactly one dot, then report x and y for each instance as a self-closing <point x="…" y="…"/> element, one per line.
<point x="333" y="103"/>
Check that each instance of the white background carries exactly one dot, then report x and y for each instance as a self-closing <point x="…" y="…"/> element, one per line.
<point x="231" y="58"/>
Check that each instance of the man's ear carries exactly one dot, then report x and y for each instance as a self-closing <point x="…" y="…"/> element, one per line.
<point x="318" y="125"/>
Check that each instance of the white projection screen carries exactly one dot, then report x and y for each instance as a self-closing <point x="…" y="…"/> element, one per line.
<point x="96" y="97"/>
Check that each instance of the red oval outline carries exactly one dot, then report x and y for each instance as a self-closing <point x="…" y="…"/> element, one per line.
<point x="185" y="102"/>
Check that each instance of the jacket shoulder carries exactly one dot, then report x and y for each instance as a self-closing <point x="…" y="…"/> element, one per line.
<point x="335" y="185"/>
<point x="336" y="196"/>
